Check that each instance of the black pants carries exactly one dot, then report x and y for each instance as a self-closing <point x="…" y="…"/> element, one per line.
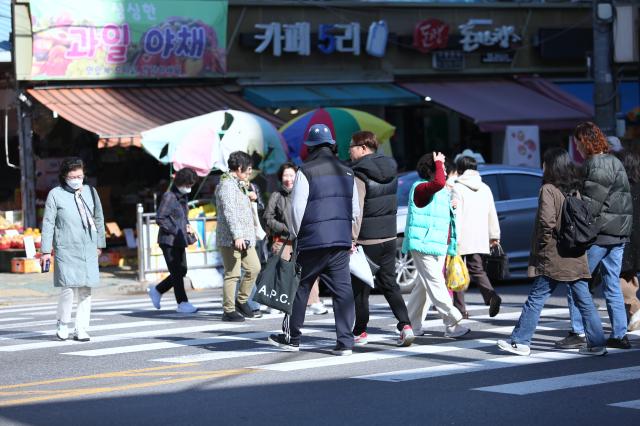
<point x="384" y="255"/>
<point x="332" y="265"/>
<point x="176" y="259"/>
<point x="478" y="276"/>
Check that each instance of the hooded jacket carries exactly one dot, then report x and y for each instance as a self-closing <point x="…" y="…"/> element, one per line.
<point x="277" y="215"/>
<point x="172" y="218"/>
<point x="476" y="217"/>
<point x="379" y="174"/>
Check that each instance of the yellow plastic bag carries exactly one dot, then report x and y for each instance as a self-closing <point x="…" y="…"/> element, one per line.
<point x="457" y="274"/>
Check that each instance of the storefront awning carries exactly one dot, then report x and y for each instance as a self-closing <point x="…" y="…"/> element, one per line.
<point x="118" y="114"/>
<point x="321" y="95"/>
<point x="494" y="104"/>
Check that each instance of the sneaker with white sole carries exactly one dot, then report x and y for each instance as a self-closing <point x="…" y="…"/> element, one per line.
<point x="593" y="350"/>
<point x="186" y="308"/>
<point x="62" y="331"/>
<point x="514" y="348"/>
<point x="406" y="336"/>
<point x="455" y="331"/>
<point x="154" y="295"/>
<point x="280" y="341"/>
<point x="318" y="309"/>
<point x="634" y="322"/>
<point x="340" y="350"/>
<point x="361" y="339"/>
<point x="81" y="336"/>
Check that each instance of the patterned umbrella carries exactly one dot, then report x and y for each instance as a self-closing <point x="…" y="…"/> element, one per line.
<point x="204" y="143"/>
<point x="343" y="122"/>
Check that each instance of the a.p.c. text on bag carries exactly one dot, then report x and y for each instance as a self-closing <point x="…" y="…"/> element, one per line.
<point x="278" y="282"/>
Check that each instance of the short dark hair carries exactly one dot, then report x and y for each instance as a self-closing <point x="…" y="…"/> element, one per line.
<point x="285" y="166"/>
<point x="69" y="165"/>
<point x="185" y="177"/>
<point x="450" y="166"/>
<point x="239" y="160"/>
<point x="465" y="163"/>
<point x="426" y="167"/>
<point x="365" y="138"/>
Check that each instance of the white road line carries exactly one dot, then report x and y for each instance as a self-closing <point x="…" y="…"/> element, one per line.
<point x="331" y="319"/>
<point x="37" y="324"/>
<point x="14" y="319"/>
<point x="475" y="366"/>
<point x="167" y="332"/>
<point x="113" y="326"/>
<point x="628" y="404"/>
<point x="566" y="382"/>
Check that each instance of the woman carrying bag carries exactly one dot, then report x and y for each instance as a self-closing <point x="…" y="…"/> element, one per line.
<point x="174" y="237"/>
<point x="550" y="265"/>
<point x="73" y="229"/>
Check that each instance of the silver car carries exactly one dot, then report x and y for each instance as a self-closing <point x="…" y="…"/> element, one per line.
<point x="515" y="192"/>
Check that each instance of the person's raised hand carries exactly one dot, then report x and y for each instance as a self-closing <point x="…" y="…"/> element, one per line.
<point x="438" y="156"/>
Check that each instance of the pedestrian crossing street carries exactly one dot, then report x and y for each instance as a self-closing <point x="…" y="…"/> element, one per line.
<point x="131" y="331"/>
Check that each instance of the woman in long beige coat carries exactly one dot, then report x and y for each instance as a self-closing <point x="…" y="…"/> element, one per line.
<point x="551" y="267"/>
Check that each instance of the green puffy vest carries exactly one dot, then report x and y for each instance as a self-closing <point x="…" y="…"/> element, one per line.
<point x="427" y="228"/>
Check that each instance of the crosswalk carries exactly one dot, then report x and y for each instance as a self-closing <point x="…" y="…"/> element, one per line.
<point x="131" y="327"/>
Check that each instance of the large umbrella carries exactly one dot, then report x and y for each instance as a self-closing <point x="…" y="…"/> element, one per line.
<point x="343" y="122"/>
<point x="204" y="143"/>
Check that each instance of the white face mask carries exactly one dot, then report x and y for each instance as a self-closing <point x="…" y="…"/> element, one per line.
<point x="75" y="183"/>
<point x="184" y="189"/>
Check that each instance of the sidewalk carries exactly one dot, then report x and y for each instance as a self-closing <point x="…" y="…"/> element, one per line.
<point x="18" y="287"/>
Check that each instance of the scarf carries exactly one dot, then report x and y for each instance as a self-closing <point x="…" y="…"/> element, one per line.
<point x="88" y="223"/>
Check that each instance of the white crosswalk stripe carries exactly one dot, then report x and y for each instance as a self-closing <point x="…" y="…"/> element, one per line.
<point x="628" y="404"/>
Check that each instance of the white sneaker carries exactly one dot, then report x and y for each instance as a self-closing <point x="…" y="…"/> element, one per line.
<point x="406" y="337"/>
<point x="154" y="295"/>
<point x="634" y="322"/>
<point x="361" y="340"/>
<point x="593" y="350"/>
<point x="186" y="308"/>
<point x="62" y="332"/>
<point x="81" y="336"/>
<point x="318" y="309"/>
<point x="514" y="348"/>
<point x="455" y="331"/>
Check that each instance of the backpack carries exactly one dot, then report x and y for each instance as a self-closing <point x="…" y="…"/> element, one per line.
<point x="578" y="229"/>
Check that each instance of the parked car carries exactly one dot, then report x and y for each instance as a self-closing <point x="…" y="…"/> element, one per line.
<point x="515" y="192"/>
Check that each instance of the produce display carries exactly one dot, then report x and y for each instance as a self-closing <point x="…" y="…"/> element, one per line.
<point x="17" y="241"/>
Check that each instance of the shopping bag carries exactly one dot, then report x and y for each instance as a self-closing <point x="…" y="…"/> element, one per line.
<point x="496" y="264"/>
<point x="260" y="233"/>
<point x="277" y="283"/>
<point x="457" y="274"/>
<point x="362" y="267"/>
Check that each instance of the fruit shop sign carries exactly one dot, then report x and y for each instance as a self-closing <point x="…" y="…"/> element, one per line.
<point x="474" y="35"/>
<point x="128" y="39"/>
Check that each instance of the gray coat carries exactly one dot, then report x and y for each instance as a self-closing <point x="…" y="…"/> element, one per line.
<point x="235" y="217"/>
<point x="75" y="249"/>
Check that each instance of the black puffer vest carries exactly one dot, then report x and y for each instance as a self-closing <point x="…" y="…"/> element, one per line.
<point x="379" y="174"/>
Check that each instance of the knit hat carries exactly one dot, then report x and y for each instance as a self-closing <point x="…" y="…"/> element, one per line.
<point x="318" y="135"/>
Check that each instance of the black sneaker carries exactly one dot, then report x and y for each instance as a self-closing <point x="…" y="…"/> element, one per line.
<point x="572" y="341"/>
<point x="340" y="350"/>
<point x="280" y="341"/>
<point x="232" y="317"/>
<point x="494" y="305"/>
<point x="619" y="343"/>
<point x="257" y="313"/>
<point x="244" y="309"/>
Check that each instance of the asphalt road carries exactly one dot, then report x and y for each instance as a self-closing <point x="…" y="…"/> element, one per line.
<point x="145" y="366"/>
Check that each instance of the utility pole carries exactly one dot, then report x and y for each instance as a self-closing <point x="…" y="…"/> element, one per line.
<point x="27" y="166"/>
<point x="604" y="94"/>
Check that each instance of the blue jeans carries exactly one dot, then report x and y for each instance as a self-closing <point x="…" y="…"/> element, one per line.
<point x="540" y="291"/>
<point x="611" y="259"/>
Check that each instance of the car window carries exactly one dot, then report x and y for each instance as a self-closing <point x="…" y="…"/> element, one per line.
<point x="492" y="183"/>
<point x="405" y="182"/>
<point x="521" y="185"/>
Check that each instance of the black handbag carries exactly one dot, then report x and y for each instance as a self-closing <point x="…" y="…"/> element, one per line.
<point x="278" y="282"/>
<point x="496" y="264"/>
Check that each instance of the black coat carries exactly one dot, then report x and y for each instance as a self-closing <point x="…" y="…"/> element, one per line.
<point x="631" y="259"/>
<point x="172" y="218"/>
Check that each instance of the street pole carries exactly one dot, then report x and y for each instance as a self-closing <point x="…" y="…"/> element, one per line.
<point x="27" y="166"/>
<point x="604" y="95"/>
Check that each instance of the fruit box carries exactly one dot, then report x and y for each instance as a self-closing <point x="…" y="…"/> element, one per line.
<point x="23" y="265"/>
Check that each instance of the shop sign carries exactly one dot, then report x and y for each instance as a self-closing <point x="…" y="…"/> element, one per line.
<point x="497" y="58"/>
<point x="343" y="38"/>
<point x="431" y="34"/>
<point x="448" y="60"/>
<point x="128" y="39"/>
<point x="473" y="36"/>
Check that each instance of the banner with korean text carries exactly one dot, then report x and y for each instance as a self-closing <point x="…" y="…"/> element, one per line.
<point x="118" y="39"/>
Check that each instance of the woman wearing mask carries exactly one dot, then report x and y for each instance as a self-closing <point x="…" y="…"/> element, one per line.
<point x="277" y="216"/>
<point x="174" y="237"/>
<point x="606" y="192"/>
<point x="73" y="228"/>
<point x="551" y="266"/>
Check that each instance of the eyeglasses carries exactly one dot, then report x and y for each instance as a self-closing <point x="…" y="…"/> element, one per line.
<point x="355" y="145"/>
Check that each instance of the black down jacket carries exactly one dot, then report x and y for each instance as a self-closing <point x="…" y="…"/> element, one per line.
<point x="606" y="189"/>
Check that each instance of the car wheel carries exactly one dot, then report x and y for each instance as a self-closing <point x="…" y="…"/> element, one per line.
<point x="406" y="272"/>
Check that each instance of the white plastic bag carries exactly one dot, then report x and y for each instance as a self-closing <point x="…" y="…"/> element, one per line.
<point x="359" y="266"/>
<point x="260" y="234"/>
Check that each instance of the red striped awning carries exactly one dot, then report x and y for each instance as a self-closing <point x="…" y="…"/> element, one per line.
<point x="118" y="114"/>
